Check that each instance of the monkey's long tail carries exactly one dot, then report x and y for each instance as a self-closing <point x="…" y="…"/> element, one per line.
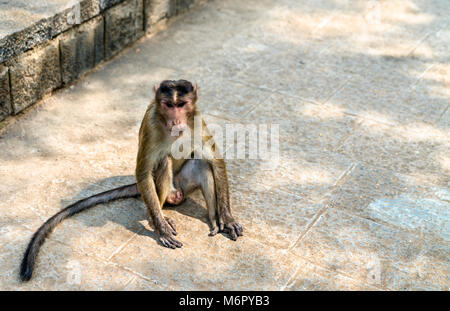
<point x="26" y="268"/>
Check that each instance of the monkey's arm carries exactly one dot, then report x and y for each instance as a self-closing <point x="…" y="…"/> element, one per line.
<point x="163" y="177"/>
<point x="226" y="220"/>
<point x="145" y="170"/>
<point x="164" y="229"/>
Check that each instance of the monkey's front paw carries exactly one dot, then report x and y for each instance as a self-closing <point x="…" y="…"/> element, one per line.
<point x="169" y="241"/>
<point x="166" y="234"/>
<point x="233" y="228"/>
<point x="171" y="224"/>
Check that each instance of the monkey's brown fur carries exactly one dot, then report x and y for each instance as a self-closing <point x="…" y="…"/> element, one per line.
<point x="160" y="178"/>
<point x="154" y="151"/>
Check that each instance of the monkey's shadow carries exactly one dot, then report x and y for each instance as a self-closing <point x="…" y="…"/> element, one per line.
<point x="130" y="212"/>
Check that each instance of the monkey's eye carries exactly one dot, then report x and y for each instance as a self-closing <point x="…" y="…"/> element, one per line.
<point x="168" y="104"/>
<point x="181" y="104"/>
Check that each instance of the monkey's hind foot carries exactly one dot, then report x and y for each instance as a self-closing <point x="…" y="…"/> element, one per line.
<point x="175" y="197"/>
<point x="214" y="231"/>
<point x="233" y="229"/>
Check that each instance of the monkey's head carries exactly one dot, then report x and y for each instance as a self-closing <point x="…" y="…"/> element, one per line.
<point x="175" y="103"/>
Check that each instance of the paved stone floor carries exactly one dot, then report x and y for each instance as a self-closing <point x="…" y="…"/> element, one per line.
<point x="359" y="201"/>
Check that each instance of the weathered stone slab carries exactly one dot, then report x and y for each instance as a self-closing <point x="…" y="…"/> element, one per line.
<point x="312" y="277"/>
<point x="59" y="267"/>
<point x="389" y="198"/>
<point x="310" y="174"/>
<point x="215" y="263"/>
<point x="5" y="97"/>
<point x="184" y="5"/>
<point x="124" y="25"/>
<point x="104" y="230"/>
<point x="417" y="150"/>
<point x="23" y="40"/>
<point x="157" y="11"/>
<point x="364" y="184"/>
<point x="396" y="90"/>
<point x="222" y="100"/>
<point x="76" y="12"/>
<point x="289" y="215"/>
<point x="81" y="49"/>
<point x="428" y="216"/>
<point x="444" y="121"/>
<point x="322" y="127"/>
<point x="106" y="4"/>
<point x="302" y="78"/>
<point x="34" y="74"/>
<point x="372" y="253"/>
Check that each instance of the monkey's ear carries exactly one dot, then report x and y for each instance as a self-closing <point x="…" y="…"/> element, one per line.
<point x="155" y="88"/>
<point x="195" y="89"/>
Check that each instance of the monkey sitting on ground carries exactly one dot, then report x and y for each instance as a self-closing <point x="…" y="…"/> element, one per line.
<point x="160" y="178"/>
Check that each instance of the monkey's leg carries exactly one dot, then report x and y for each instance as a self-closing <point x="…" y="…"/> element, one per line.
<point x="226" y="220"/>
<point x="198" y="174"/>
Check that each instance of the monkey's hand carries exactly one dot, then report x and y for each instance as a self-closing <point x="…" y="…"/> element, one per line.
<point x="230" y="226"/>
<point x="166" y="233"/>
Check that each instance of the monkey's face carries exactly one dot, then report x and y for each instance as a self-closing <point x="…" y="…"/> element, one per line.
<point x="176" y="102"/>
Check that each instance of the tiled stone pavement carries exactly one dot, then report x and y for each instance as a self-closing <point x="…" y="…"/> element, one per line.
<point x="359" y="201"/>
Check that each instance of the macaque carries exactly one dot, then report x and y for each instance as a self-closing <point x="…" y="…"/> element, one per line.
<point x="161" y="178"/>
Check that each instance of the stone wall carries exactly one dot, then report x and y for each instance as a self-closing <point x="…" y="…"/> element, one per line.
<point x="57" y="50"/>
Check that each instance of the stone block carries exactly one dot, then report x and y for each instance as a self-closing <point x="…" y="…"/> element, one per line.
<point x="372" y="253"/>
<point x="5" y="97"/>
<point x="417" y="150"/>
<point x="184" y="5"/>
<point x="36" y="23"/>
<point x="34" y="74"/>
<point x="106" y="4"/>
<point x="76" y="13"/>
<point x="124" y="25"/>
<point x="23" y="40"/>
<point x="81" y="49"/>
<point x="157" y="11"/>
